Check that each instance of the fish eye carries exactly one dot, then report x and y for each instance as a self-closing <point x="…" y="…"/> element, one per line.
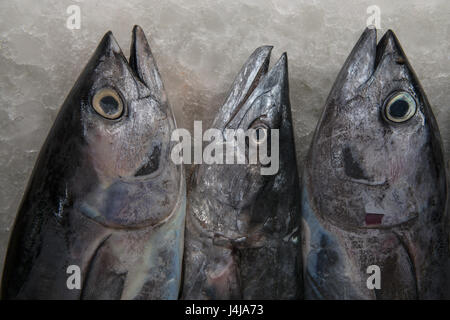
<point x="108" y="103"/>
<point x="260" y="134"/>
<point x="400" y="107"/>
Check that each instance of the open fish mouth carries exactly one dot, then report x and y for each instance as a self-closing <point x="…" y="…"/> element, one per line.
<point x="261" y="61"/>
<point x="142" y="63"/>
<point x="247" y="81"/>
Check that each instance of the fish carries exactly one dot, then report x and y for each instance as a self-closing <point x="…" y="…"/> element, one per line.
<point x="374" y="188"/>
<point x="104" y="197"/>
<point x="242" y="236"/>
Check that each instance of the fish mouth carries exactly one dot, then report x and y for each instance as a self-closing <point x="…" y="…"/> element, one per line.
<point x="388" y="45"/>
<point x="139" y="53"/>
<point x="247" y="80"/>
<point x="143" y="64"/>
<point x="366" y="57"/>
<point x="258" y="71"/>
<point x="256" y="100"/>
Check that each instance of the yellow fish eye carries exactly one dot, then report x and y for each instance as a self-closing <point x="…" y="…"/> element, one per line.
<point x="400" y="107"/>
<point x="108" y="103"/>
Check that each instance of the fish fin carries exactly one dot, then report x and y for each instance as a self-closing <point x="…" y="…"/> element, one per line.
<point x="103" y="281"/>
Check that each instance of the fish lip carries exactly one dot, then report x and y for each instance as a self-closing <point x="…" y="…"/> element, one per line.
<point x="387" y="45"/>
<point x="109" y="41"/>
<point x="260" y="73"/>
<point x="144" y="66"/>
<point x="136" y="36"/>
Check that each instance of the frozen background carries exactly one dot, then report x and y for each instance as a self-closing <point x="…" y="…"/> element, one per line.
<point x="199" y="46"/>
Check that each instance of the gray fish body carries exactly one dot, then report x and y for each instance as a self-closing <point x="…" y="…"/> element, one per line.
<point x="242" y="228"/>
<point x="104" y="195"/>
<point x="374" y="186"/>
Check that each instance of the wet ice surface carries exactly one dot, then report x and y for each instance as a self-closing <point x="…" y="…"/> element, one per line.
<point x="199" y="46"/>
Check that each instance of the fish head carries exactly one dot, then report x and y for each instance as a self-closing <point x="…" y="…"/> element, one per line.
<point x="109" y="149"/>
<point x="103" y="166"/>
<point x="258" y="101"/>
<point x="376" y="158"/>
<point x="124" y="113"/>
<point x="254" y="103"/>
